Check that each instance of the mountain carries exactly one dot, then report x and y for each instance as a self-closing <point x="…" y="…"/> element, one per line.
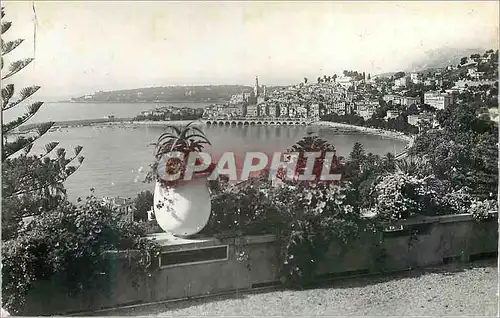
<point x="440" y="58"/>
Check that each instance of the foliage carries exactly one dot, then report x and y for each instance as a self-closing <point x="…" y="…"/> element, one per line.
<point x="409" y="192"/>
<point x="398" y="124"/>
<point x="142" y="204"/>
<point x="313" y="144"/>
<point x="481" y="210"/>
<point x="464" y="152"/>
<point x="68" y="246"/>
<point x="30" y="184"/>
<point x="307" y="217"/>
<point x="183" y="140"/>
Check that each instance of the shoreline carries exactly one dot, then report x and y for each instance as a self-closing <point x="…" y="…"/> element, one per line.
<point x="131" y="123"/>
<point x="368" y="130"/>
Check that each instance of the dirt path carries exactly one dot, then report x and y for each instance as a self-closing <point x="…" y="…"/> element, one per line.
<point x="442" y="291"/>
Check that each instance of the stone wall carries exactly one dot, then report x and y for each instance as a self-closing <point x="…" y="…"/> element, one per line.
<point x="253" y="261"/>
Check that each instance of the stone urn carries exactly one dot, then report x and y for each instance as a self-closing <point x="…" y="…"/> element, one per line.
<point x="184" y="208"/>
<point x="181" y="204"/>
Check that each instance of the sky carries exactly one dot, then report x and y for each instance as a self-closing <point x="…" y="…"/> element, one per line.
<point x="82" y="47"/>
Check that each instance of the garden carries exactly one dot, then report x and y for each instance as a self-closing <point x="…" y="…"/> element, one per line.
<point x="451" y="170"/>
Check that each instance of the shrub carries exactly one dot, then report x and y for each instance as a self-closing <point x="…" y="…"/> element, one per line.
<point x="68" y="246"/>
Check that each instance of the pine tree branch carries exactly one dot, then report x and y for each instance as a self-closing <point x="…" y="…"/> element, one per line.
<point x="17" y="66"/>
<point x="9" y="46"/>
<point x="23" y="143"/>
<point x="7" y="93"/>
<point x="25" y="93"/>
<point x="68" y="173"/>
<point x="32" y="109"/>
<point x="11" y="148"/>
<point x="43" y="128"/>
<point x="62" y="161"/>
<point x="6" y="26"/>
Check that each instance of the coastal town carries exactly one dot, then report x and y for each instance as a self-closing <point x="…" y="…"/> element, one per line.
<point x="415" y="96"/>
<point x="404" y="104"/>
<point x="315" y="158"/>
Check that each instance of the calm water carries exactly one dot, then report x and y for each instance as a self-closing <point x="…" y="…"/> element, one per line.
<point x="76" y="111"/>
<point x="116" y="158"/>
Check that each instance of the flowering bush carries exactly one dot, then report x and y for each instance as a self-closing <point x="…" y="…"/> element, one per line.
<point x="395" y="196"/>
<point x="242" y="209"/>
<point x="481" y="209"/>
<point x="316" y="216"/>
<point x="68" y="246"/>
<point x="400" y="195"/>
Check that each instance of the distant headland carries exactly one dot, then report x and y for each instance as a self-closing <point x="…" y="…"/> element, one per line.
<point x="168" y="94"/>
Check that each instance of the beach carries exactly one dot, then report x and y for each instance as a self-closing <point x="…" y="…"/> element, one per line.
<point x="367" y="130"/>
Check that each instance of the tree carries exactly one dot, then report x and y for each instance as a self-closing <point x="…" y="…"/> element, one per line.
<point x="357" y="155"/>
<point x="369" y="76"/>
<point x="399" y="75"/>
<point x="142" y="204"/>
<point x="463" y="60"/>
<point x="305" y="80"/>
<point x="319" y="79"/>
<point x="464" y="152"/>
<point x="30" y="184"/>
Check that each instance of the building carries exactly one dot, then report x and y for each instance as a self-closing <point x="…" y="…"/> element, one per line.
<point x="394" y="99"/>
<point x="339" y="108"/>
<point x="415" y="78"/>
<point x="252" y="111"/>
<point x="365" y="113"/>
<point x="344" y="81"/>
<point x="121" y="205"/>
<point x="301" y="112"/>
<point x="237" y="99"/>
<point x="437" y="100"/>
<point x="413" y="120"/>
<point x="474" y="74"/>
<point x="418" y="120"/>
<point x="429" y="82"/>
<point x="366" y="109"/>
<point x="401" y="82"/>
<point x="283" y="108"/>
<point x="407" y="101"/>
<point x="262" y="110"/>
<point x="462" y="85"/>
<point x="391" y="114"/>
<point x="313" y="111"/>
<point x="153" y="113"/>
<point x="273" y="111"/>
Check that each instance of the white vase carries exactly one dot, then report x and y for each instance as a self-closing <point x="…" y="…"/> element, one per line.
<point x="183" y="209"/>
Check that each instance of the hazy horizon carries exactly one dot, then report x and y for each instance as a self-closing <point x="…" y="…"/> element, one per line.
<point x="83" y="47"/>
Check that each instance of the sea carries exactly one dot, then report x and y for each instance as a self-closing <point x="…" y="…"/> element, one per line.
<point x="117" y="157"/>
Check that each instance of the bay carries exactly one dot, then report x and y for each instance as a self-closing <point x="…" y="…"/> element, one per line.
<point x="118" y="156"/>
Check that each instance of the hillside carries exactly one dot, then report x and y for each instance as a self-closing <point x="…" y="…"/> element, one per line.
<point x="440" y="58"/>
<point x="207" y="93"/>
